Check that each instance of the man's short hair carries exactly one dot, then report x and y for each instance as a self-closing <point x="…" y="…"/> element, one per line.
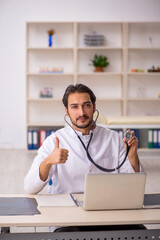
<point x="79" y="88"/>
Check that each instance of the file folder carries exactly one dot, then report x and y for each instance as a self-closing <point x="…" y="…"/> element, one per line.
<point x="30" y="140"/>
<point x="158" y="143"/>
<point x="18" y="206"/>
<point x="35" y="139"/>
<point x="150" y="138"/>
<point x="42" y="136"/>
<point x="152" y="200"/>
<point x="48" y="132"/>
<point x="136" y="131"/>
<point x="155" y="138"/>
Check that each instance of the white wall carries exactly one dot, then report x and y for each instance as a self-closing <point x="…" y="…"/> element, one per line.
<point x="14" y="14"/>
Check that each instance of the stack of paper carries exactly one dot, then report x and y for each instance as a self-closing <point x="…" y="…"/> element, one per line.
<point x="51" y="200"/>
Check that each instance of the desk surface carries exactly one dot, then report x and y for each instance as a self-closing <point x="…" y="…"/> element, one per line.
<point x="72" y="216"/>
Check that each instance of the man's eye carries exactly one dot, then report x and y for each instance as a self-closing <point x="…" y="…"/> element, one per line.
<point x="88" y="105"/>
<point x="74" y="107"/>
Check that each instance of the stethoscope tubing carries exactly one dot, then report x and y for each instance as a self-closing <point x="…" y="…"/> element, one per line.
<point x="88" y="155"/>
<point x="98" y="166"/>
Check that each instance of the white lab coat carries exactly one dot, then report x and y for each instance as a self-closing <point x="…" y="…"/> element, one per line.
<point x="106" y="149"/>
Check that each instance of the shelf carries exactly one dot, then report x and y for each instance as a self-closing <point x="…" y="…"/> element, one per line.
<point x="131" y="126"/>
<point x="149" y="153"/>
<point x="49" y="48"/>
<point x="45" y="124"/>
<point x="99" y="48"/>
<point x="110" y="99"/>
<point x="50" y="74"/>
<point x="143" y="122"/>
<point x="145" y="74"/>
<point x="144" y="99"/>
<point x="43" y="100"/>
<point x="144" y="48"/>
<point x="149" y="150"/>
<point x="117" y="89"/>
<point x="100" y="74"/>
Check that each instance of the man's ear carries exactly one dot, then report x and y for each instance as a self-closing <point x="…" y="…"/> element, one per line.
<point x="94" y="108"/>
<point x="66" y="110"/>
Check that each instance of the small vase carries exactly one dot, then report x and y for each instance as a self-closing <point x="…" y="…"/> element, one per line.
<point x="99" y="69"/>
<point x="50" y="40"/>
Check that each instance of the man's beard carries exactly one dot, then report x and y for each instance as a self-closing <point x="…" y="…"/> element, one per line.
<point x="82" y="126"/>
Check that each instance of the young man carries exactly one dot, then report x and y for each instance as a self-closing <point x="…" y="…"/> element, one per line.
<point x="63" y="156"/>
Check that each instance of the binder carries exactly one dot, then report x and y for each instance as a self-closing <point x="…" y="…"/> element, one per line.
<point x="155" y="138"/>
<point x="30" y="140"/>
<point x="48" y="132"/>
<point x="137" y="135"/>
<point x="35" y="139"/>
<point x="53" y="131"/>
<point x="150" y="138"/>
<point x="158" y="138"/>
<point x="42" y="136"/>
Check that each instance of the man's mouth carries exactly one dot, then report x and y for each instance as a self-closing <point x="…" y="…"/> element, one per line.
<point x="82" y="119"/>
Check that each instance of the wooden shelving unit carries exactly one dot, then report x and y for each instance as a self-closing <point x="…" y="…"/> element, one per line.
<point x="119" y="91"/>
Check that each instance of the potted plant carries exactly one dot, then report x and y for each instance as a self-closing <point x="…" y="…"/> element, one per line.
<point x="99" y="62"/>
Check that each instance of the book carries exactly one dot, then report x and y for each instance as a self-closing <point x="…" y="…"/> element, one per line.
<point x="150" y="138"/>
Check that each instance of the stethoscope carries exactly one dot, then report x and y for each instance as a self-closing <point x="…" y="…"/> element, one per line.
<point x="127" y="135"/>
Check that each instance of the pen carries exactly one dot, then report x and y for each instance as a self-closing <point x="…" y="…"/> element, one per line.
<point x="74" y="199"/>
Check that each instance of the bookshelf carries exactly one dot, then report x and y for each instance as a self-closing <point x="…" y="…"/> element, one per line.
<point x="119" y="90"/>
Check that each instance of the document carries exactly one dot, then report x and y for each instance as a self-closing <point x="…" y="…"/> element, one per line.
<point x="18" y="206"/>
<point x="54" y="200"/>
<point x="152" y="200"/>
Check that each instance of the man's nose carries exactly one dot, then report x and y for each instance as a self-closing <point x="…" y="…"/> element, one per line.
<point x="81" y="110"/>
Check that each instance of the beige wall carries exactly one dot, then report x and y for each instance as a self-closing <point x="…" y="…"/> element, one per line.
<point x="14" y="14"/>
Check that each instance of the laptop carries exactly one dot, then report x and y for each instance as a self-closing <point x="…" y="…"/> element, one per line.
<point x="114" y="191"/>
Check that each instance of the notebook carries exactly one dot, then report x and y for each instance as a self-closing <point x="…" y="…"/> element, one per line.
<point x="114" y="191"/>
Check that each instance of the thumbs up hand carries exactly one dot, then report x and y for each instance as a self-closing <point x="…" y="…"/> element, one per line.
<point x="59" y="155"/>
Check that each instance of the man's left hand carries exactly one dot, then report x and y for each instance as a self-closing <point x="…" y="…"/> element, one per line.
<point x="132" y="154"/>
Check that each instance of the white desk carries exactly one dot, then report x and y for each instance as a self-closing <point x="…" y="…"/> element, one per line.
<point x="73" y="216"/>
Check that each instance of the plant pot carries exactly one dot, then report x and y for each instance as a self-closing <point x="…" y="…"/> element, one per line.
<point x="99" y="69"/>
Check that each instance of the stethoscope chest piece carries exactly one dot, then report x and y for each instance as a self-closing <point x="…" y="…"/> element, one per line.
<point x="128" y="135"/>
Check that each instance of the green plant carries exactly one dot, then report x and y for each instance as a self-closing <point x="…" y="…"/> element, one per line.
<point x="99" y="61"/>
